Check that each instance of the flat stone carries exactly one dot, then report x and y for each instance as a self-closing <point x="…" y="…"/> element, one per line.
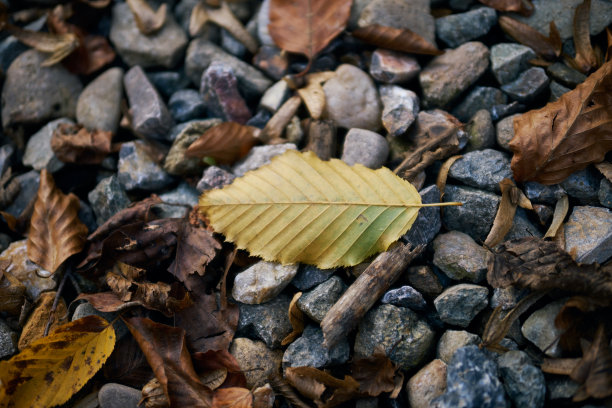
<point x="540" y="193"/>
<point x="588" y="234"/>
<point x="528" y="85"/>
<point x="423" y="279"/>
<point x="33" y="94"/>
<point x="481" y="97"/>
<point x="365" y="147"/>
<point x="428" y="383"/>
<point x="28" y="188"/>
<point x="540" y="329"/>
<point x="460" y="28"/>
<point x="138" y="171"/>
<point x="557" y="90"/>
<point x="459" y="304"/>
<point x="274" y="97"/>
<point x="605" y="193"/>
<point x="401" y="333"/>
<point x="583" y="185"/>
<point x="508" y="60"/>
<point x="448" y="75"/>
<point x="168" y="82"/>
<point x="459" y="257"/>
<point x="38" y="153"/>
<point x="475" y="217"/>
<point x="309" y="276"/>
<point x="232" y="45"/>
<point x="400" y="109"/>
<point x="256" y="361"/>
<point x="8" y="341"/>
<point x="35" y="279"/>
<point x="163" y="48"/>
<point x="6" y="156"/>
<point x="453" y="340"/>
<point x="176" y="163"/>
<point x="317" y="302"/>
<point x="565" y="75"/>
<point x="308" y="351"/>
<point x="392" y="67"/>
<point x="483" y="169"/>
<point x="406" y="296"/>
<point x="504" y="131"/>
<point x="99" y="105"/>
<point x="107" y="199"/>
<point x="186" y="104"/>
<point x="260" y="156"/>
<point x="480" y="131"/>
<point x="523" y="381"/>
<point x="262" y="282"/>
<point x="352" y="99"/>
<point x="268" y="321"/>
<point x="219" y="89"/>
<point x="114" y="395"/>
<point x="214" y="177"/>
<point x="183" y="194"/>
<point x="428" y="222"/>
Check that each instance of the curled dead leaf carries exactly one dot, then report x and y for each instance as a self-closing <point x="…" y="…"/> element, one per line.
<point x="561" y="209"/>
<point x="396" y="39"/>
<point x="312" y="94"/>
<point x="443" y="173"/>
<point x="375" y="374"/>
<point x="525" y="7"/>
<point x="585" y="59"/>
<point x="324" y="389"/>
<point x="594" y="371"/>
<point x="75" y="144"/>
<point x="296" y="317"/>
<point x="233" y="397"/>
<point x="59" y="46"/>
<point x="546" y="47"/>
<point x="226" y="142"/>
<point x="512" y="196"/>
<point x="147" y="20"/>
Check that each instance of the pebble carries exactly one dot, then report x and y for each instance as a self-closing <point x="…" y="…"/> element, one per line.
<point x="231" y="45"/>
<point x="268" y="322"/>
<point x="273" y="62"/>
<point x="583" y="185"/>
<point x="256" y="361"/>
<point x="365" y="147"/>
<point x="168" y="82"/>
<point x="460" y="28"/>
<point x="400" y="109"/>
<point x="459" y="257"/>
<point x="317" y="302"/>
<point x="475" y="217"/>
<point x="400" y="332"/>
<point x="219" y="89"/>
<point x="557" y="90"/>
<point x="507" y="298"/>
<point x="540" y="329"/>
<point x="308" y="351"/>
<point x="38" y="153"/>
<point x="176" y="163"/>
<point x="505" y="131"/>
<point x="508" y="60"/>
<point x="262" y="281"/>
<point x="6" y="156"/>
<point x="480" y="131"/>
<point x="523" y="381"/>
<point x="114" y="395"/>
<point x="214" y="177"/>
<point x="448" y="75"/>
<point x="275" y="96"/>
<point x="528" y="85"/>
<point x="428" y="222"/>
<point x="8" y="340"/>
<point x="481" y="97"/>
<point x="99" y="105"/>
<point x="29" y="274"/>
<point x="605" y="193"/>
<point x="34" y="94"/>
<point x="86" y="309"/>
<point x="186" y="104"/>
<point x="472" y="382"/>
<point x="150" y="116"/>
<point x="183" y="194"/>
<point x="138" y="171"/>
<point x="261" y="118"/>
<point x="483" y="169"/>
<point x="540" y="193"/>
<point x="459" y="304"/>
<point x="501" y="111"/>
<point x="453" y="340"/>
<point x="163" y="48"/>
<point x="28" y="183"/>
<point x="423" y="279"/>
<point x="565" y="75"/>
<point x="406" y="296"/>
<point x="392" y="67"/>
<point x="561" y="388"/>
<point x="263" y="19"/>
<point x="522" y="226"/>
<point x="309" y="276"/>
<point x="352" y="99"/>
<point x="260" y="156"/>
<point x="588" y="234"/>
<point x="107" y="199"/>
<point x="428" y="383"/>
<point x="544" y="213"/>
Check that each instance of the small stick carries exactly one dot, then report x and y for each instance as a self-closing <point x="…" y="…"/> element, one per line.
<point x="58" y="294"/>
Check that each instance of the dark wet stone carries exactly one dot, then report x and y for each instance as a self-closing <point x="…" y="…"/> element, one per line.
<point x="406" y="296"/>
<point x="565" y="75"/>
<point x="459" y="304"/>
<point x="481" y="97"/>
<point x="501" y="111"/>
<point x="428" y="222"/>
<point x="508" y="60"/>
<point x="523" y="381"/>
<point x="168" y="82"/>
<point x="308" y="351"/>
<point x="107" y="199"/>
<point x="138" y="171"/>
<point x="268" y="321"/>
<point x="460" y="28"/>
<point x="423" y="279"/>
<point x="475" y="217"/>
<point x="483" y="169"/>
<point x="317" y="302"/>
<point x="583" y="185"/>
<point x="528" y="85"/>
<point x="309" y="276"/>
<point x="186" y="104"/>
<point x="540" y="193"/>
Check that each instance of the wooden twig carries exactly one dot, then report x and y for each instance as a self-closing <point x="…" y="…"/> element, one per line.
<point x="58" y="295"/>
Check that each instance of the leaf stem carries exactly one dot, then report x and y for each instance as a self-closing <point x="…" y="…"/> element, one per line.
<point x="442" y="204"/>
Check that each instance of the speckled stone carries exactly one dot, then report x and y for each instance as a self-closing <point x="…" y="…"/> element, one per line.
<point x="309" y="276"/>
<point x="583" y="185"/>
<point x="508" y="60"/>
<point x="262" y="282"/>
<point x="481" y="97"/>
<point x="317" y="302"/>
<point x="138" y="171"/>
<point x="605" y="193"/>
<point x="308" y="350"/>
<point x="540" y="329"/>
<point x="423" y="279"/>
<point x="540" y="193"/>
<point x="460" y="28"/>
<point x="528" y="85"/>
<point x="475" y="217"/>
<point x="268" y="322"/>
<point x="214" y="177"/>
<point x="107" y="199"/>
<point x="406" y="296"/>
<point x="428" y="383"/>
<point x="523" y="381"/>
<point x="259" y="156"/>
<point x="400" y="109"/>
<point x="481" y="131"/>
<point x="483" y="169"/>
<point x="459" y="257"/>
<point x="459" y="304"/>
<point x="256" y="361"/>
<point x="99" y="105"/>
<point x="428" y="222"/>
<point x="114" y="395"/>
<point x="453" y="340"/>
<point x="588" y="234"/>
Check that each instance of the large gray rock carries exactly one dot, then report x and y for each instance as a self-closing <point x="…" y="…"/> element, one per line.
<point x="588" y="234"/>
<point x="268" y="321"/>
<point x="411" y="14"/>
<point x="459" y="28"/>
<point x="99" y="105"/>
<point x="114" y="395"/>
<point x="475" y="217"/>
<point x="365" y="147"/>
<point x="163" y="48"/>
<point x="400" y="109"/>
<point x="459" y="304"/>
<point x="523" y="381"/>
<point x="453" y="340"/>
<point x="308" y="351"/>
<point x="428" y="222"/>
<point x="317" y="302"/>
<point x="107" y="199"/>
<point x="260" y="156"/>
<point x="176" y="162"/>
<point x="35" y="94"/>
<point x="138" y="171"/>
<point x="483" y="169"/>
<point x="38" y="153"/>
<point x="540" y="329"/>
<point x="508" y="60"/>
<point x="262" y="282"/>
<point x="459" y="257"/>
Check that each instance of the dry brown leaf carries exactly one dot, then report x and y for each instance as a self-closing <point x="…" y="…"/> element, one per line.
<point x="12" y="292"/>
<point x="195" y="248"/>
<point x="34" y="328"/>
<point x="578" y="319"/>
<point x="215" y="360"/>
<point x="586" y="59"/>
<point x="278" y="122"/>
<point x="56" y="233"/>
<point x="594" y="371"/>
<point x="296" y="317"/>
<point x="96" y="3"/>
<point x="324" y="389"/>
<point x="605" y="168"/>
<point x="263" y="397"/>
<point x="226" y="142"/>
<point x="512" y="196"/>
<point x="147" y="20"/>
<point x="233" y="397"/>
<point x="312" y="94"/>
<point x="306" y="27"/>
<point x="375" y="374"/>
<point x="396" y="39"/>
<point x="525" y="7"/>
<point x="75" y="144"/>
<point x="608" y="56"/>
<point x="567" y="135"/>
<point x="559" y="366"/>
<point x="443" y="174"/>
<point x="546" y="47"/>
<point x="561" y="209"/>
<point x="58" y="45"/>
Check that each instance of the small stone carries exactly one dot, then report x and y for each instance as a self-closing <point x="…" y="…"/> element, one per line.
<point x="272" y="61"/>
<point x="400" y="109"/>
<point x="294" y="132"/>
<point x="86" y="309"/>
<point x="163" y="48"/>
<point x="448" y="75"/>
<point x="99" y="105"/>
<point x="528" y="85"/>
<point x="481" y="97"/>
<point x="428" y="222"/>
<point x="274" y="97"/>
<point x="186" y="104"/>
<point x="309" y="276"/>
<point x="588" y="234"/>
<point x="28" y="189"/>
<point x="556" y="90"/>
<point x="475" y="217"/>
<point x="483" y="169"/>
<point x="406" y="296"/>
<point x="453" y="340"/>
<point x="6" y="156"/>
<point x="352" y="99"/>
<point x="505" y="131"/>
<point x="507" y="298"/>
<point x="261" y="118"/>
<point x="34" y="94"/>
<point x="183" y="194"/>
<point x="392" y="67"/>
<point x="561" y="388"/>
<point x="401" y="333"/>
<point x="472" y="382"/>
<point x="460" y="28"/>
<point x="232" y="45"/>
<point x="540" y="329"/>
<point x="423" y="279"/>
<point x="219" y="89"/>
<point x="508" y="60"/>
<point x="114" y="395"/>
<point x="262" y="282"/>
<point x="456" y="5"/>
<point x="459" y="304"/>
<point x="316" y="303"/>
<point x="308" y="351"/>
<point x="565" y="75"/>
<point x="168" y="82"/>
<point x="8" y="341"/>
<point x="176" y="162"/>
<point x="459" y="257"/>
<point x="107" y="199"/>
<point x="268" y="322"/>
<point x="214" y="177"/>
<point x="263" y="19"/>
<point x="38" y="153"/>
<point x="539" y="193"/>
<point x="260" y="156"/>
<point x="256" y="361"/>
<point x="583" y="185"/>
<point x="370" y="402"/>
<point x="605" y="193"/>
<point x="480" y="130"/>
<point x="138" y="171"/>
<point x="35" y="279"/>
<point x="365" y="147"/>
<point x="413" y="15"/>
<point x="544" y="213"/>
<point x="428" y="383"/>
<point x="523" y="381"/>
<point x="522" y="226"/>
<point x="501" y="111"/>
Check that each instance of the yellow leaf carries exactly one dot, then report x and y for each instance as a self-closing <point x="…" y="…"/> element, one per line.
<point x="326" y="213"/>
<point x="52" y="369"/>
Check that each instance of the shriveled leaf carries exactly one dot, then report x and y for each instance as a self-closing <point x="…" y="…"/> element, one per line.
<point x="56" y="232"/>
<point x="594" y="371"/>
<point x="375" y="374"/>
<point x="34" y="328"/>
<point x="586" y="59"/>
<point x="147" y="20"/>
<point x="296" y="317"/>
<point x="546" y="47"/>
<point x="263" y="397"/>
<point x="58" y="45"/>
<point x="75" y="144"/>
<point x="195" y="248"/>
<point x="216" y="361"/>
<point x="54" y="368"/>
<point x="561" y="209"/>
<point x="306" y="27"/>
<point x="396" y="39"/>
<point x="232" y="397"/>
<point x="559" y="366"/>
<point x="312" y="94"/>
<point x="301" y="209"/>
<point x="511" y="197"/>
<point x="567" y="135"/>
<point x="12" y="292"/>
<point x="226" y="142"/>
<point x="525" y="7"/>
<point x="153" y="395"/>
<point x="324" y="389"/>
<point x="443" y="173"/>
<point x="578" y="319"/>
<point x="279" y="121"/>
<point x="605" y="168"/>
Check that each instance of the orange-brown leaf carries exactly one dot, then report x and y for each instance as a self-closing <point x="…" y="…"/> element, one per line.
<point x="546" y="47"/>
<point x="296" y="317"/>
<point x="324" y="389"/>
<point x="375" y="374"/>
<point x="396" y="39"/>
<point x="567" y="135"/>
<point x="56" y="232"/>
<point x="608" y="56"/>
<point x="75" y="144"/>
<point x="520" y="6"/>
<point x="59" y="46"/>
<point x="585" y="55"/>
<point x="233" y="397"/>
<point x="226" y="142"/>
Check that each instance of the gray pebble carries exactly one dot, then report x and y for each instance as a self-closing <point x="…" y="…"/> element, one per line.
<point x="540" y="329"/>
<point x="428" y="222"/>
<point x="260" y="156"/>
<point x="453" y="340"/>
<point x="540" y="193"/>
<point x="268" y="322"/>
<point x="99" y="105"/>
<point x="583" y="185"/>
<point x="183" y="194"/>
<point x="483" y="169"/>
<point x="505" y="131"/>
<point x="508" y="60"/>
<point x="588" y="234"/>
<point x="365" y="147"/>
<point x="528" y="85"/>
<point x="317" y="302"/>
<point x="168" y="82"/>
<point x="114" y="395"/>
<point x="392" y="67"/>
<point x="557" y="90"/>
<point x="107" y="199"/>
<point x="256" y="361"/>
<point x="308" y="350"/>
<point x="138" y="171"/>
<point x="481" y="97"/>
<point x="8" y="340"/>
<point x="406" y="296"/>
<point x="28" y="188"/>
<point x="459" y="304"/>
<point x="480" y="130"/>
<point x="400" y="109"/>
<point x="523" y="381"/>
<point x="414" y="15"/>
<point x="565" y="75"/>
<point x="186" y="104"/>
<point x="214" y="177"/>
<point x="38" y="153"/>
<point x="460" y="28"/>
<point x="309" y="276"/>
<point x="459" y="257"/>
<point x="605" y="193"/>
<point x="475" y="217"/>
<point x="262" y="282"/>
